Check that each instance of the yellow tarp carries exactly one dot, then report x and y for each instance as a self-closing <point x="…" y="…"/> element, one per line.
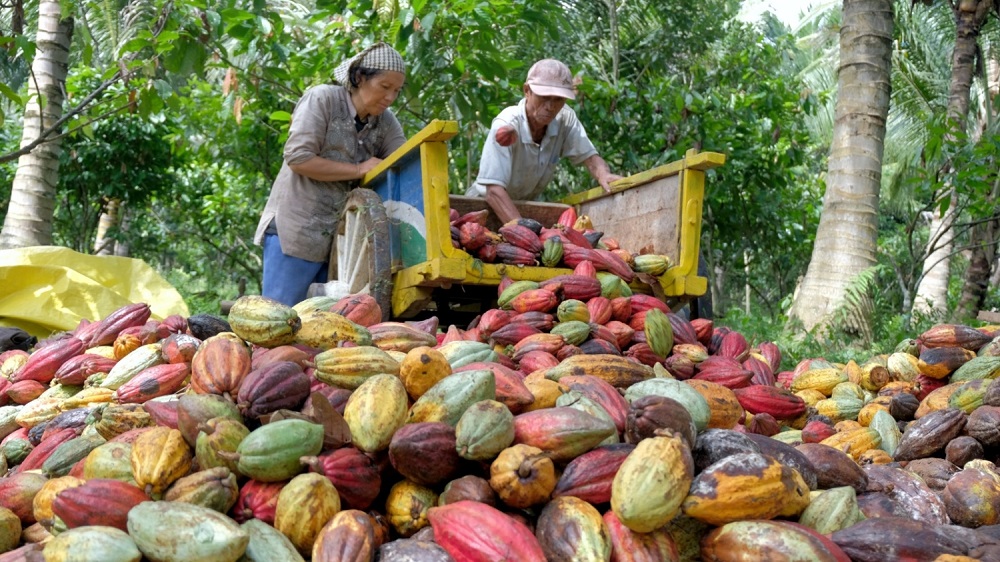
<point x="48" y="289"/>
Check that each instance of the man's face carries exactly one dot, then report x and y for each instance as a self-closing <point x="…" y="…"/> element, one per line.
<point x="541" y="110"/>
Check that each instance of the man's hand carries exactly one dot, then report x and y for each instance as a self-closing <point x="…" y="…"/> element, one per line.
<point x="599" y="170"/>
<point x="606" y="180"/>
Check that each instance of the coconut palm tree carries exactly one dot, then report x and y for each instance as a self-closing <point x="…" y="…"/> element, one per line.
<point x="29" y="215"/>
<point x="932" y="292"/>
<point x="846" y="239"/>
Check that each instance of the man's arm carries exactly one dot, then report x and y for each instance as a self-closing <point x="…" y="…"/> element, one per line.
<point x="598" y="168"/>
<point x="501" y="203"/>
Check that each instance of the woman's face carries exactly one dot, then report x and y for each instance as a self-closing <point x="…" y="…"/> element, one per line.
<point x="377" y="93"/>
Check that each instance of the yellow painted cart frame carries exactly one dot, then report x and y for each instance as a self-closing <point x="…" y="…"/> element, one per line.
<point x="413" y="184"/>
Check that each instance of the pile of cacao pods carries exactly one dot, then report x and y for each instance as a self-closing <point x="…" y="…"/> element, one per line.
<point x="572" y="422"/>
<point x="571" y="241"/>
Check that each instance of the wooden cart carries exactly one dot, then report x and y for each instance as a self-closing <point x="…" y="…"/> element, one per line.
<point x="395" y="238"/>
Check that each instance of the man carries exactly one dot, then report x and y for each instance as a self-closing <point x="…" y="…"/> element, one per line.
<point x="527" y="141"/>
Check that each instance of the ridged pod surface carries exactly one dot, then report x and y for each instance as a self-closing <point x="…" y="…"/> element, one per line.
<point x="569" y="528"/>
<point x="375" y="411"/>
<point x="652" y="482"/>
<point x="263" y="321"/>
<point x="92" y="543"/>
<point x="766" y="540"/>
<point x="197" y="534"/>
<point x="746" y="486"/>
<point x="305" y="505"/>
<point x="348" y="537"/>
<point x="475" y="532"/>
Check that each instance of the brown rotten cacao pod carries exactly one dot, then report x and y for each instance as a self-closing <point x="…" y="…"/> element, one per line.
<point x="513" y="255"/>
<point x="930" y="434"/>
<point x="349" y="536"/>
<point x="279" y="386"/>
<point x="653" y="413"/>
<point x="788" y="456"/>
<point x="425" y="452"/>
<point x="834" y="468"/>
<point x="589" y="538"/>
<point x="871" y="540"/>
<point x="469" y="487"/>
<point x="746" y="486"/>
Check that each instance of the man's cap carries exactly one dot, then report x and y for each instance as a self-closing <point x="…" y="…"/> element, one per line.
<point x="549" y="77"/>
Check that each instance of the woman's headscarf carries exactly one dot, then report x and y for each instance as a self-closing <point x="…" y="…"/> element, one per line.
<point x="379" y="56"/>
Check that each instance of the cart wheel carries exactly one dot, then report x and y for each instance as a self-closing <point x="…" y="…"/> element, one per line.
<point x="360" y="262"/>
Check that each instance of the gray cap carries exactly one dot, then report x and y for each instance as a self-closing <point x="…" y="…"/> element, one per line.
<point x="549" y="77"/>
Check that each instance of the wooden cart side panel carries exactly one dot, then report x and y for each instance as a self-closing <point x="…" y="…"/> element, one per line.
<point x="400" y="191"/>
<point x="640" y="217"/>
<point x="434" y="171"/>
<point x="401" y="180"/>
<point x="693" y="189"/>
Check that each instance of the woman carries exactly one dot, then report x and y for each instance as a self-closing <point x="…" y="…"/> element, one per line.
<point x="338" y="133"/>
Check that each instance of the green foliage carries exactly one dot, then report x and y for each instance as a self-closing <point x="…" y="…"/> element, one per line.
<point x="124" y="158"/>
<point x="759" y="209"/>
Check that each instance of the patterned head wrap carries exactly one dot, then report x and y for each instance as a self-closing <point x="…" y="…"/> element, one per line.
<point x="379" y="56"/>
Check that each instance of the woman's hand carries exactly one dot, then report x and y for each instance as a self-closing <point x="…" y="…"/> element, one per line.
<point x="367" y="166"/>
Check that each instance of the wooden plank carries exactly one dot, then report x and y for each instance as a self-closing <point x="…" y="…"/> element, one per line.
<point x="639" y="217"/>
<point x="698" y="161"/>
<point x="989" y="316"/>
<point x="545" y="213"/>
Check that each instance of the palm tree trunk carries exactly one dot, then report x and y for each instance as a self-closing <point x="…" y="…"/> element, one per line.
<point x="32" y="199"/>
<point x="932" y="291"/>
<point x="847" y="234"/>
<point x="103" y="245"/>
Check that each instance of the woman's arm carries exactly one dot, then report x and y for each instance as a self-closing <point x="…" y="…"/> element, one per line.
<point x="321" y="169"/>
